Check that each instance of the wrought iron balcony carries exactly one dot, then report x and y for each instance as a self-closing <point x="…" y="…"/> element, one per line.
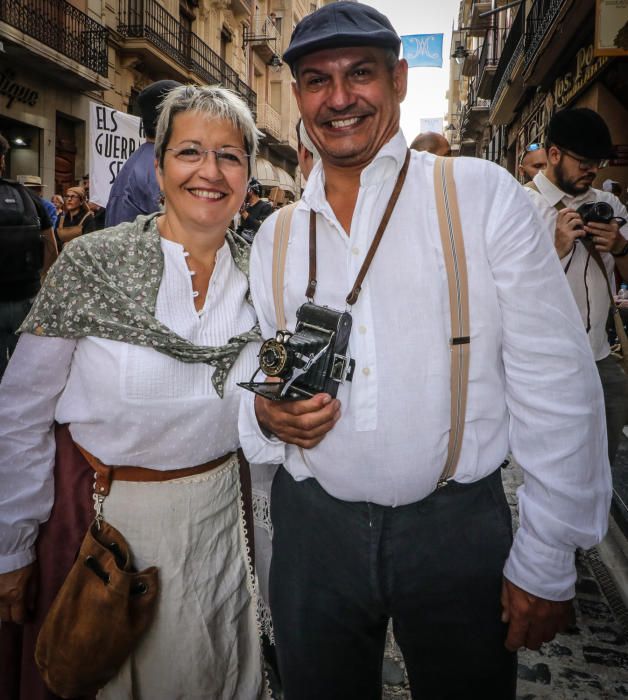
<point x="147" y="19"/>
<point x="262" y="36"/>
<point x="62" y="27"/>
<point x="513" y="47"/>
<point x="538" y="22"/>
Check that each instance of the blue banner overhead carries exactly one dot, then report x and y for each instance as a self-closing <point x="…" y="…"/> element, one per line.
<point x="423" y="50"/>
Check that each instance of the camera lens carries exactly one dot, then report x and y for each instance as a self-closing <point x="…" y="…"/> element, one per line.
<point x="273" y="357"/>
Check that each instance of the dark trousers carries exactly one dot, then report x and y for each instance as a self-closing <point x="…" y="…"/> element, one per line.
<point x="12" y="313"/>
<point x="340" y="570"/>
<point x="615" y="386"/>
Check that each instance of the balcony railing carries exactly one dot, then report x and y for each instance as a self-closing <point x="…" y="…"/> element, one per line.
<point x="269" y="120"/>
<point x="62" y="27"/>
<point x="146" y="19"/>
<point x="512" y="47"/>
<point x="540" y="18"/>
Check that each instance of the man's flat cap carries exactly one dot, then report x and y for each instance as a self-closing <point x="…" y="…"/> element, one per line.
<point x="338" y="25"/>
<point x="581" y="131"/>
<point x="150" y="99"/>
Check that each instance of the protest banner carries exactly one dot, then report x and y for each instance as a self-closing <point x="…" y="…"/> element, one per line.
<point x="113" y="137"/>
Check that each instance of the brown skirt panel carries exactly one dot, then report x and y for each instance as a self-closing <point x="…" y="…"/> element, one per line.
<point x="57" y="545"/>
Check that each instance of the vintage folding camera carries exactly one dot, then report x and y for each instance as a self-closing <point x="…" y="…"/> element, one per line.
<point x="309" y="361"/>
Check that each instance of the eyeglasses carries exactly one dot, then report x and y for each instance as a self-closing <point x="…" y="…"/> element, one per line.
<point x="229" y="158"/>
<point x="587" y="163"/>
<point x="530" y="148"/>
<point x="71" y="196"/>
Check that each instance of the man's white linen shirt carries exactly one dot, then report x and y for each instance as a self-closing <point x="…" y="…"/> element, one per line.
<point x="533" y="385"/>
<point x="578" y="259"/>
<point x="126" y="404"/>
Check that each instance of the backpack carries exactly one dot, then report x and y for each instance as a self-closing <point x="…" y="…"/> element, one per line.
<point x="21" y="245"/>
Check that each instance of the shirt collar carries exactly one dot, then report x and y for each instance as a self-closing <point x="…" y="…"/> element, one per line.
<point x="554" y="194"/>
<point x="386" y="164"/>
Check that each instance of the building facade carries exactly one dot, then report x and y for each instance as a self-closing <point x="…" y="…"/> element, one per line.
<point x="57" y="56"/>
<point x="524" y="62"/>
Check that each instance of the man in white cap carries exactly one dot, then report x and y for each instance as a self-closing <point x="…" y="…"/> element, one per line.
<point x="366" y="528"/>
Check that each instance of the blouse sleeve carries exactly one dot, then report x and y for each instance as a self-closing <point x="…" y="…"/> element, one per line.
<point x="30" y="388"/>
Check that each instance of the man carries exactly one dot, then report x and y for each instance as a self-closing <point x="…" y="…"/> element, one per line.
<point x="432" y="142"/>
<point x="254" y="211"/>
<point x="34" y="184"/>
<point x="578" y="143"/>
<point x="361" y="533"/>
<point x="532" y="160"/>
<point x="27" y="249"/>
<point x="307" y="155"/>
<point x="135" y="190"/>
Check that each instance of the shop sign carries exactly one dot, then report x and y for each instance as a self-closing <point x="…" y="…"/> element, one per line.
<point x="584" y="69"/>
<point x="113" y="137"/>
<point x="611" y="28"/>
<point x="15" y="91"/>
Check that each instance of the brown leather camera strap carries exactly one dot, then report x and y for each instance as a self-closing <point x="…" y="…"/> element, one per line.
<point x="455" y="263"/>
<point x="353" y="295"/>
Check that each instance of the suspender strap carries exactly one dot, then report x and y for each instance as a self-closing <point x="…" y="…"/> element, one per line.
<point x="455" y="263"/>
<point x="280" y="246"/>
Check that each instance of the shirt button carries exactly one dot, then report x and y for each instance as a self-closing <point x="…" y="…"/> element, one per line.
<point x="355" y="250"/>
<point x="362" y="329"/>
<point x="366" y="371"/>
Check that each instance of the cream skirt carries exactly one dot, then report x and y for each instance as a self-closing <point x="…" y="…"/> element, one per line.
<point x="203" y="642"/>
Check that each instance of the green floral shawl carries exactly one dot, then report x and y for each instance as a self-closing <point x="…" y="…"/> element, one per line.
<point x="105" y="284"/>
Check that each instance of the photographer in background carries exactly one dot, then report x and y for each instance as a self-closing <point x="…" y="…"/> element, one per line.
<point x="254" y="212"/>
<point x="578" y="145"/>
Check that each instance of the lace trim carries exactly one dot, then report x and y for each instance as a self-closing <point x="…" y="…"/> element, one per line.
<point x="261" y="512"/>
<point x="252" y="586"/>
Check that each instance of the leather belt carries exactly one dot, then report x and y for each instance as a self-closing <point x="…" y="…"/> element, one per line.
<point x="105" y="474"/>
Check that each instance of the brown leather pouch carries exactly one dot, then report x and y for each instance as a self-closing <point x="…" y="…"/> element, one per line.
<point x="98" y="617"/>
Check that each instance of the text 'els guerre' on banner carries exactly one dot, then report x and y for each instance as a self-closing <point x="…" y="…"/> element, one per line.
<point x="113" y="137"/>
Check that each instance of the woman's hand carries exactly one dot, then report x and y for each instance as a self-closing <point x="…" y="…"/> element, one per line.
<point x="17" y="594"/>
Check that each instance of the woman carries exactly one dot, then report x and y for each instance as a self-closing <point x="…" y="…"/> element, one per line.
<point x="136" y="343"/>
<point x="78" y="218"/>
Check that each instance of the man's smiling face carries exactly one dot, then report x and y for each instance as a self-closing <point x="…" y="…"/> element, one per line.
<point x="350" y="99"/>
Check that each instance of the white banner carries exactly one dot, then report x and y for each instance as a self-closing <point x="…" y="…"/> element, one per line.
<point x="113" y="137"/>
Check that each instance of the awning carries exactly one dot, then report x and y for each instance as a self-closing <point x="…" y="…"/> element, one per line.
<point x="266" y="173"/>
<point x="285" y="181"/>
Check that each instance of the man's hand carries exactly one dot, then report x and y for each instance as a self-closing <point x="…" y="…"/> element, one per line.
<point x="302" y="423"/>
<point x="532" y="621"/>
<point x="606" y="237"/>
<point x="16" y="595"/>
<point x="569" y="226"/>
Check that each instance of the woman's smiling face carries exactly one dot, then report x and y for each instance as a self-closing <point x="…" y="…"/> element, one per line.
<point x="206" y="195"/>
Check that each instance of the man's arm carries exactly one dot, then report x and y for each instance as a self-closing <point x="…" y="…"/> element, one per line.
<point x="51" y="252"/>
<point x="557" y="423"/>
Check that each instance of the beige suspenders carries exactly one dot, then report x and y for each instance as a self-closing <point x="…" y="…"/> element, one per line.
<point x="455" y="263"/>
<point x="280" y="245"/>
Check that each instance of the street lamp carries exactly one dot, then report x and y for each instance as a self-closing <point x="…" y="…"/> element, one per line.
<point x="275" y="62"/>
<point x="459" y="54"/>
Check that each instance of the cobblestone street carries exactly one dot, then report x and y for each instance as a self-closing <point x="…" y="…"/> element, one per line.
<point x="589" y="663"/>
